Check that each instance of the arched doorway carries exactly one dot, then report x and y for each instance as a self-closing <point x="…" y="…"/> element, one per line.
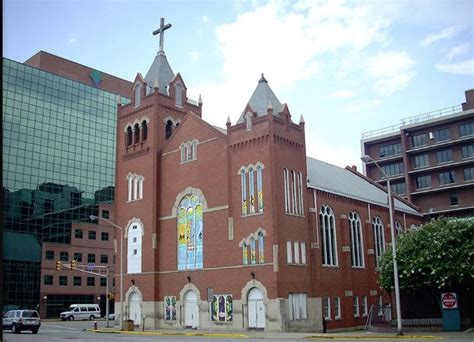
<point x="256" y="309"/>
<point x="191" y="310"/>
<point x="135" y="312"/>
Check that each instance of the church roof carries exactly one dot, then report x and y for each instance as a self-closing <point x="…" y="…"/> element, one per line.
<point x="262" y="98"/>
<point x="160" y="73"/>
<point x="327" y="177"/>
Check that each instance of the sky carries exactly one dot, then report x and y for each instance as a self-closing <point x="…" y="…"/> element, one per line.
<point x="347" y="67"/>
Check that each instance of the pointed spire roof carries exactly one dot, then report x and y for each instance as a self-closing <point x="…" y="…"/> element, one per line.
<point x="262" y="98"/>
<point x="160" y="73"/>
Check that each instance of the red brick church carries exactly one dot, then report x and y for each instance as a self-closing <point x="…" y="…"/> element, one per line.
<point x="237" y="227"/>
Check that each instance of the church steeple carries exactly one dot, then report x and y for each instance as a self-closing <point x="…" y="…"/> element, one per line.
<point x="262" y="98"/>
<point x="160" y="71"/>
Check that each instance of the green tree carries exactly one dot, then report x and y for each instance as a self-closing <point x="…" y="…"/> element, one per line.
<point x="439" y="255"/>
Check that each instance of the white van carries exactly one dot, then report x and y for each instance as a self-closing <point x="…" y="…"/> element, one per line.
<point x="81" y="311"/>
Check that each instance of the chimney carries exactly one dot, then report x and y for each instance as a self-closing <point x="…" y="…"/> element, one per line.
<point x="469" y="104"/>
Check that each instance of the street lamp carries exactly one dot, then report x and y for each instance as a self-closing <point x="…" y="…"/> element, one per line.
<point x="93" y="218"/>
<point x="367" y="159"/>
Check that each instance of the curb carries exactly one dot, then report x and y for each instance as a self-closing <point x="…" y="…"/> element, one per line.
<point x="158" y="333"/>
<point x="377" y="337"/>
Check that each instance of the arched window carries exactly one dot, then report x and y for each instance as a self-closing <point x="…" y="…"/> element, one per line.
<point x="261" y="250"/>
<point x="248" y="120"/>
<point x="168" y="129"/>
<point x="259" y="188"/>
<point x="357" y="247"/>
<point x="144" y="130"/>
<point x="398" y="228"/>
<point x="286" y="184"/>
<point x="253" y="252"/>
<point x="135" y="187"/>
<point x="251" y="189"/>
<point x="245" y="256"/>
<point x="243" y="181"/>
<point x="179" y="95"/>
<point x="138" y="94"/>
<point x="136" y="133"/>
<point x="134" y="250"/>
<point x="379" y="236"/>
<point x="190" y="233"/>
<point x="328" y="234"/>
<point x="129" y="136"/>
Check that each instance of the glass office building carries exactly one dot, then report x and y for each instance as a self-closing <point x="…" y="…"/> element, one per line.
<point x="58" y="164"/>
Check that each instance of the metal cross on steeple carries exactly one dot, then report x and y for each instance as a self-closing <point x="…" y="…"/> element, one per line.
<point x="161" y="31"/>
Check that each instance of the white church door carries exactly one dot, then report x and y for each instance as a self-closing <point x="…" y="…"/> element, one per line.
<point x="135" y="310"/>
<point x="191" y="310"/>
<point x="256" y="309"/>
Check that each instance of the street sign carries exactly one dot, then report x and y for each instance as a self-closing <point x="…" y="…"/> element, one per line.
<point x="449" y="300"/>
<point x="210" y="294"/>
<point x="90" y="267"/>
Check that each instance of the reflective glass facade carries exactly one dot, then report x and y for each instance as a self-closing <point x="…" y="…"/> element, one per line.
<point x="58" y="162"/>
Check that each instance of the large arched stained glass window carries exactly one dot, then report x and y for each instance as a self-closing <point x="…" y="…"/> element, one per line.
<point x="190" y="233"/>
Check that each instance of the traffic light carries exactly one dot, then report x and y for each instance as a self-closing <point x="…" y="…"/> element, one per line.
<point x="73" y="264"/>
<point x="58" y="265"/>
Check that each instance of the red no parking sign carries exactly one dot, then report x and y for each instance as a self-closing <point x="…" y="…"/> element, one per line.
<point x="449" y="300"/>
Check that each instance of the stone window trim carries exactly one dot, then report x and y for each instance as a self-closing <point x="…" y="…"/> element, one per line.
<point x="293" y="189"/>
<point x="327" y="222"/>
<point x="246" y="245"/>
<point x="133" y="137"/>
<point x="135" y="187"/>
<point x="357" y="240"/>
<point x="251" y="182"/>
<point x="188" y="151"/>
<point x="189" y="191"/>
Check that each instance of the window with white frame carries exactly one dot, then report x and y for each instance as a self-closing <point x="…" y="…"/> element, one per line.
<point x="357" y="246"/>
<point x="188" y="151"/>
<point x="337" y="308"/>
<point x="138" y="94"/>
<point x="296" y="252"/>
<point x="297" y="306"/>
<point x="379" y="236"/>
<point x="355" y="306"/>
<point x="251" y="180"/>
<point x="328" y="235"/>
<point x="134" y="247"/>
<point x="135" y="187"/>
<point x="327" y="308"/>
<point x="248" y="120"/>
<point x="364" y="306"/>
<point x="293" y="187"/>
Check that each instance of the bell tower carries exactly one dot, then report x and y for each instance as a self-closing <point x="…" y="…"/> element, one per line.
<point x="144" y="127"/>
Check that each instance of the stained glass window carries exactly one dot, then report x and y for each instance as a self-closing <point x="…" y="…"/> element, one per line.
<point x="222" y="308"/>
<point x="244" y="192"/>
<point x="261" y="255"/>
<point x="190" y="233"/>
<point x="170" y="308"/>
<point x="259" y="189"/>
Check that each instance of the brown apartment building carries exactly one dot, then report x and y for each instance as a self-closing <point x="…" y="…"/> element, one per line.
<point x="429" y="159"/>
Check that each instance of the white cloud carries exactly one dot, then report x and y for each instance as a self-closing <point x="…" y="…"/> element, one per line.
<point x="457" y="51"/>
<point x="462" y="68"/>
<point x="361" y="106"/>
<point x="285" y="41"/>
<point x="194" y="55"/>
<point x="205" y="19"/>
<point x="72" y="40"/>
<point x="392" y="71"/>
<point x="342" y="94"/>
<point x="445" y="34"/>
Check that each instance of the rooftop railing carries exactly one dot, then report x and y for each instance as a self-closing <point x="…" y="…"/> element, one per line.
<point x="413" y="120"/>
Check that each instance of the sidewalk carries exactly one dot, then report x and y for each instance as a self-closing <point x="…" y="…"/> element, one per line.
<point x="360" y="334"/>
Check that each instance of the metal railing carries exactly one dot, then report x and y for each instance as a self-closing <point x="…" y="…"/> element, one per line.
<point x="413" y="120"/>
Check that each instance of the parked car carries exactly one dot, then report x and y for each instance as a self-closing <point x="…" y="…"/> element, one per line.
<point x="19" y="320"/>
<point x="81" y="311"/>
